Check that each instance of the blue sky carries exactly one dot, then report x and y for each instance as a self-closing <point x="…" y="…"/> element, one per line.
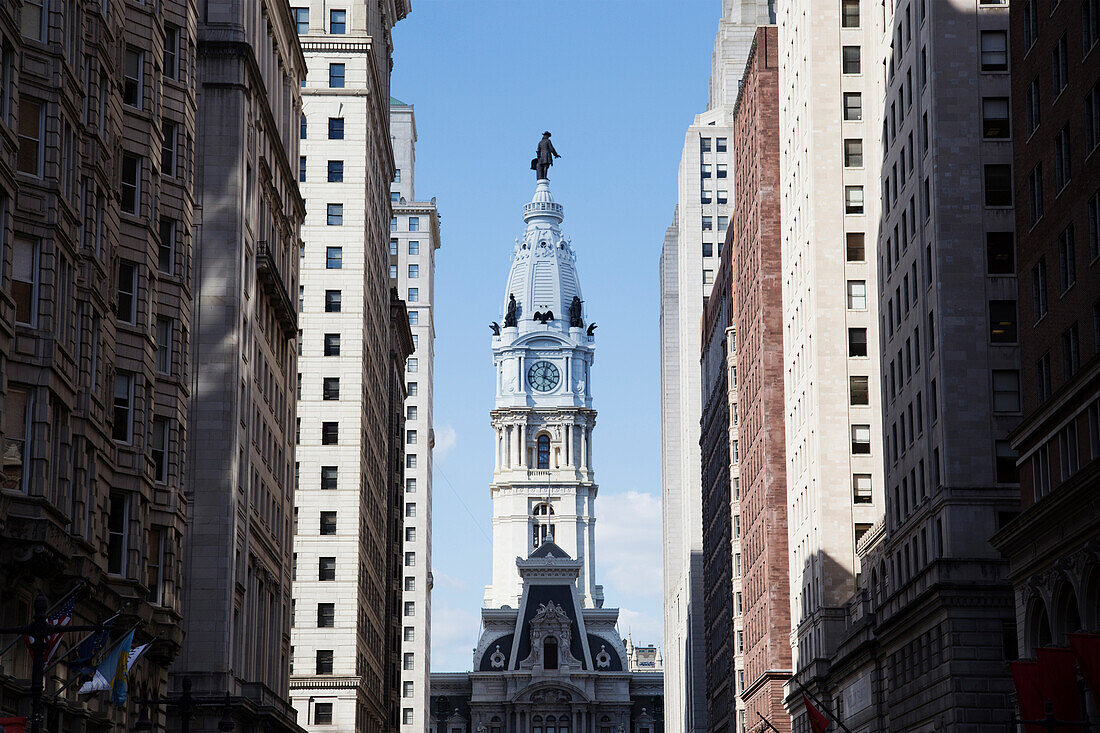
<point x="617" y="82"/>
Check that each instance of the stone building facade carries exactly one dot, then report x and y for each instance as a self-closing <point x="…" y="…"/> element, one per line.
<point x="689" y="260"/>
<point x="97" y="226"/>
<point x="237" y="559"/>
<point x="1052" y="546"/>
<point x="412" y="271"/>
<point x="549" y="658"/>
<point x="350" y="459"/>
<point x="928" y="632"/>
<point x="753" y="248"/>
<point x="721" y="523"/>
<point x="830" y="74"/>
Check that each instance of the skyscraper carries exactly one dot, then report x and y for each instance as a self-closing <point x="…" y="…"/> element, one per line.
<point x="237" y="549"/>
<point x="98" y="108"/>
<point x="831" y="77"/>
<point x="689" y="260"/>
<point x="412" y="271"/>
<point x="754" y="247"/>
<point x="348" y="506"/>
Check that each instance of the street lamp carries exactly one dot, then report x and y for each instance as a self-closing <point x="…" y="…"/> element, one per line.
<point x="226" y="725"/>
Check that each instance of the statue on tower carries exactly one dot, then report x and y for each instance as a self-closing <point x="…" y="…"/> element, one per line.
<point x="544" y="157"/>
<point x="575" y="319"/>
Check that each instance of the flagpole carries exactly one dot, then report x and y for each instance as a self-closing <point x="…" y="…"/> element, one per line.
<point x="69" y="651"/>
<point x="767" y="722"/>
<point x="80" y="584"/>
<point x="821" y="705"/>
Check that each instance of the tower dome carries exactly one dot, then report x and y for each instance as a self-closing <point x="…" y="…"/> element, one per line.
<point x="543" y="277"/>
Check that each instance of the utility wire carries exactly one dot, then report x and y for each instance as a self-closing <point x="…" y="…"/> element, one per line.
<point x="457" y="496"/>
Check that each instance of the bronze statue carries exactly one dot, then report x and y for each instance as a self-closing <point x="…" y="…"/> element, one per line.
<point x="544" y="157"/>
<point x="510" y="315"/>
<point x="575" y="319"/>
<point x="495" y="328"/>
<point x="543" y="317"/>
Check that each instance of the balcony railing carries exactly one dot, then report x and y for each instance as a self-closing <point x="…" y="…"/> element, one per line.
<point x="271" y="280"/>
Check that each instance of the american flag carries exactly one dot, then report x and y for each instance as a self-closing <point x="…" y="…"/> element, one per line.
<point x="60" y="618"/>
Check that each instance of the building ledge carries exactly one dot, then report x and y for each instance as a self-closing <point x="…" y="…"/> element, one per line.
<point x="274" y="286"/>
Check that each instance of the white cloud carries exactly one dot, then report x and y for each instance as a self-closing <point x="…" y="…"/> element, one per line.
<point x="450" y="582"/>
<point x="454" y="634"/>
<point x="628" y="543"/>
<point x="445" y="439"/>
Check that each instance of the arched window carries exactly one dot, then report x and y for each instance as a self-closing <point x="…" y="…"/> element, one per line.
<point x="541" y="528"/>
<point x="550" y="653"/>
<point x="536" y="724"/>
<point x="544" y="451"/>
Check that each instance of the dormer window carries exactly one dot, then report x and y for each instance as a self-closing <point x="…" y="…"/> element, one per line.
<point x="550" y="653"/>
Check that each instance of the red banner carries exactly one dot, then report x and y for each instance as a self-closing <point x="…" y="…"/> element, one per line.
<point x="818" y="722"/>
<point x="1029" y="696"/>
<point x="12" y="725"/>
<point x="1086" y="647"/>
<point x="1058" y="681"/>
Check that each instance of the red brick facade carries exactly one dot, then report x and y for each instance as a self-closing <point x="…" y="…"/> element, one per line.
<point x="1058" y="244"/>
<point x="754" y="243"/>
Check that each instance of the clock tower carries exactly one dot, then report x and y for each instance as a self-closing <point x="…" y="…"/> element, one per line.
<point x="543" y="485"/>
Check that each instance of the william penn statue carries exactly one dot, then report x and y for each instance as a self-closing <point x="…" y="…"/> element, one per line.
<point x="544" y="157"/>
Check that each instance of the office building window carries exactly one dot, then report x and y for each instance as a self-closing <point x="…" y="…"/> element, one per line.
<point x="169" y="134"/>
<point x="330" y="433"/>
<point x="1007" y="473"/>
<point x="995" y="117"/>
<point x="117" y="533"/>
<point x="326" y="615"/>
<point x="328" y="523"/>
<point x="1067" y="259"/>
<point x="853" y="199"/>
<point x="853" y="106"/>
<point x="850" y="60"/>
<point x="1002" y="321"/>
<point x="857" y="342"/>
<point x="334" y="258"/>
<point x="335" y="171"/>
<point x="861" y="439"/>
<point x="329" y="477"/>
<point x="337" y="22"/>
<point x="1035" y="193"/>
<point x="1059" y="65"/>
<point x="332" y="344"/>
<point x="25" y="280"/>
<point x="1039" y="288"/>
<point x="1006" y="390"/>
<point x="1000" y="253"/>
<point x="1071" y="352"/>
<point x="857" y="295"/>
<point x="335" y="215"/>
<point x="164" y="335"/>
<point x="414" y="223"/>
<point x="410" y="608"/>
<point x="133" y="76"/>
<point x="322" y="713"/>
<point x="720" y="170"/>
<point x="410" y="486"/>
<point x="301" y="20"/>
<point x="708" y="223"/>
<point x="301" y="169"/>
<point x="414" y="295"/>
<point x="414" y="271"/>
<point x="859" y="391"/>
<point x="330" y="388"/>
<point x="861" y="489"/>
<point x="130" y="184"/>
<point x="409" y="633"/>
<point x="336" y="76"/>
<point x="326" y="568"/>
<point x="324" y="661"/>
<point x="994" y="51"/>
<point x="849" y="14"/>
<point x="332" y="301"/>
<point x="335" y="128"/>
<point x="998" y="185"/>
<point x="32" y="129"/>
<point x="159" y="449"/>
<point x="856" y="250"/>
<point x="1063" y="167"/>
<point x="853" y="153"/>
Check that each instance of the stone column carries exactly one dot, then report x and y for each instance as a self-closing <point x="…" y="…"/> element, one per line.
<point x="496" y="450"/>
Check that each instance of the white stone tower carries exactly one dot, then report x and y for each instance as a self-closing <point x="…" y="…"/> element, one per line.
<point x="543" y="484"/>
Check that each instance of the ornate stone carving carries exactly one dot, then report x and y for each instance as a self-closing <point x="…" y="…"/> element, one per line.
<point x="497" y="659"/>
<point x="603" y="659"/>
<point x="551" y="696"/>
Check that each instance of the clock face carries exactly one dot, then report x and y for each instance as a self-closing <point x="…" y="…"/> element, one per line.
<point x="543" y="376"/>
